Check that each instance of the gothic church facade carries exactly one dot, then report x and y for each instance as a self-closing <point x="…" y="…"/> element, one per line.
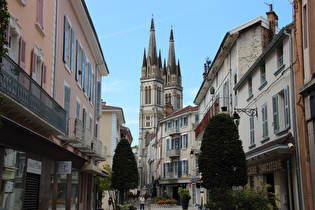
<point x="161" y="86"/>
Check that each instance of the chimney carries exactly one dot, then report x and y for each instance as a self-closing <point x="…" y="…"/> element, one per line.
<point x="205" y="72"/>
<point x="272" y="17"/>
<point x="168" y="109"/>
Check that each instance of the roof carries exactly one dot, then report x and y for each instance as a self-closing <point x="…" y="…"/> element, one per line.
<point x="118" y="110"/>
<point x="181" y="111"/>
<point x="274" y="42"/>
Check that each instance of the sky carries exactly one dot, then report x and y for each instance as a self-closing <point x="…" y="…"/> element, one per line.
<point x="199" y="26"/>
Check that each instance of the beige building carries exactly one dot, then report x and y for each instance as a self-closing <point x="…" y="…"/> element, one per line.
<point x="49" y="151"/>
<point x="239" y="49"/>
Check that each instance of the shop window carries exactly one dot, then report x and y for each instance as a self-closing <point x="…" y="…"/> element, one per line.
<point x="74" y="188"/>
<point x="12" y="186"/>
<point x="62" y="191"/>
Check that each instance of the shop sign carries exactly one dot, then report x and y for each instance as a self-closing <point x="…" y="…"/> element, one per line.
<point x="9" y="185"/>
<point x="267" y="167"/>
<point x="34" y="166"/>
<point x="65" y="167"/>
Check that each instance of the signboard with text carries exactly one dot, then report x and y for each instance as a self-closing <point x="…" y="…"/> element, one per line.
<point x="65" y="167"/>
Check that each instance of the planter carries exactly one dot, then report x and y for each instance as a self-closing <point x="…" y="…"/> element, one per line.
<point x="163" y="206"/>
<point x="185" y="203"/>
<point x="224" y="108"/>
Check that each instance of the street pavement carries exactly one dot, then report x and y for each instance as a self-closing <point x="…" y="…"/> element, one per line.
<point x="158" y="207"/>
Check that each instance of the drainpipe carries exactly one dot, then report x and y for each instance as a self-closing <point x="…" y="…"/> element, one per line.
<point x="296" y="142"/>
<point x="56" y="45"/>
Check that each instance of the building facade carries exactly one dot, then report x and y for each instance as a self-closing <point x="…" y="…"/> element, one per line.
<point x="304" y="65"/>
<point x="50" y="153"/>
<point x="160" y="85"/>
<point x="239" y="49"/>
<point x="267" y="123"/>
<point x="177" y="154"/>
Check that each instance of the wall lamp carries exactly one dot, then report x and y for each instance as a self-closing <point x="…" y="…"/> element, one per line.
<point x="248" y="111"/>
<point x="194" y="152"/>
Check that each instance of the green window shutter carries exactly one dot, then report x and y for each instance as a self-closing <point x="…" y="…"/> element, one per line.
<point x="275" y="113"/>
<point x="77" y="61"/>
<point x="264" y="120"/>
<point x="286" y="107"/>
<point x="83" y="81"/>
<point x="89" y="81"/>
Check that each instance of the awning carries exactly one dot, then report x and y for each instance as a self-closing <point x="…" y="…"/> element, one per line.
<point x="93" y="169"/>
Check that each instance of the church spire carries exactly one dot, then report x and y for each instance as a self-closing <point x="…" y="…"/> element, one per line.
<point x="171" y="63"/>
<point x="152" y="45"/>
<point x="144" y="63"/>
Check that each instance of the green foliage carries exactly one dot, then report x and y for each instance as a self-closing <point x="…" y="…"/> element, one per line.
<point x="128" y="206"/>
<point x="4" y="24"/>
<point x="104" y="183"/>
<point x="125" y="171"/>
<point x="222" y="160"/>
<point x="184" y="193"/>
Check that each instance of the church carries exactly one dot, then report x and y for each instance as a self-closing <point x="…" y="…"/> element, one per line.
<point x="161" y="86"/>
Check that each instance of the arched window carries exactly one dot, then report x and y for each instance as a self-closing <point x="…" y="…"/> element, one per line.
<point x="158" y="96"/>
<point x="146" y="95"/>
<point x="149" y="95"/>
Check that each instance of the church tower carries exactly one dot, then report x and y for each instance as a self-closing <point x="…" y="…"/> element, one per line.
<point x="160" y="85"/>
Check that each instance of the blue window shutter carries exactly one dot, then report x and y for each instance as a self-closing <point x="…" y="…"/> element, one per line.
<point x="181" y="142"/>
<point x="93" y="89"/>
<point x="172" y="144"/>
<point x="186" y="167"/>
<point x="167" y="144"/>
<point x="89" y="81"/>
<point x="171" y="169"/>
<point x="72" y="50"/>
<point x="181" y="122"/>
<point x="164" y="167"/>
<point x="77" y="61"/>
<point x="275" y="113"/>
<point x="65" y="39"/>
<point x="286" y="107"/>
<point x="179" y="169"/>
<point x="186" y="140"/>
<point x="165" y="125"/>
<point x="83" y="70"/>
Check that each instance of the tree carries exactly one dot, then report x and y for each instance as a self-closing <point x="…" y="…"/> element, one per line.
<point x="125" y="171"/>
<point x="222" y="161"/>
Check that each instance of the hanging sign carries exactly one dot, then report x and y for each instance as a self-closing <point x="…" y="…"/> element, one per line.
<point x="65" y="167"/>
<point x="34" y="166"/>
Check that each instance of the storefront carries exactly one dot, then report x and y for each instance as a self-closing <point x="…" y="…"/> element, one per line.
<point x="36" y="173"/>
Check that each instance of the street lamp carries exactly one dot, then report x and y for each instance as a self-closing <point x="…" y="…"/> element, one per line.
<point x="248" y="111"/>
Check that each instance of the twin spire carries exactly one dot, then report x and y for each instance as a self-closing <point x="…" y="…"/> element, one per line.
<point x="156" y="61"/>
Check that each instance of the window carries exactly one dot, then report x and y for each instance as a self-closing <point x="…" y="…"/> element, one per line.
<point x="167" y="144"/>
<point x="186" y="121"/>
<point x="178" y="101"/>
<point x="68" y="44"/>
<point x="280" y="62"/>
<point x="264" y="115"/>
<point x="185" y="140"/>
<point x="251" y="130"/>
<point x="226" y="94"/>
<point x="91" y="123"/>
<point x="263" y="80"/>
<point x="96" y="130"/>
<point x="159" y="95"/>
<point x="250" y="89"/>
<point x="77" y="110"/>
<point x="185" y="167"/>
<point x="147" y="121"/>
<point x="40" y="15"/>
<point x="196" y="118"/>
<point x="38" y="67"/>
<point x="167" y="98"/>
<point x="165" y="126"/>
<point x="281" y="110"/>
<point x="148" y="95"/>
<point x="66" y="104"/>
<point x="84" y="118"/>
<point x="89" y="81"/>
<point x="235" y="92"/>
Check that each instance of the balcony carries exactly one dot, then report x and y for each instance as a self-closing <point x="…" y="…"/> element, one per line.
<point x="221" y="103"/>
<point x="100" y="154"/>
<point x="173" y="131"/>
<point x="171" y="175"/>
<point x="25" y="102"/>
<point x="173" y="153"/>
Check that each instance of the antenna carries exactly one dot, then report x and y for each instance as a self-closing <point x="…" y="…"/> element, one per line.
<point x="270" y="6"/>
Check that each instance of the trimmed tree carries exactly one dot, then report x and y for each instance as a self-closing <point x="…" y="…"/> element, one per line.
<point x="222" y="161"/>
<point x="125" y="172"/>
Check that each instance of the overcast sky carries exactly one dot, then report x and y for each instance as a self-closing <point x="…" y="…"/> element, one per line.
<point x="123" y="29"/>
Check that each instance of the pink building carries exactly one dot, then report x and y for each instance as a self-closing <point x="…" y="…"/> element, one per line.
<point x="50" y="144"/>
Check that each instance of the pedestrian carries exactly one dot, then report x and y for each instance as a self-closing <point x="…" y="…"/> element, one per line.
<point x="149" y="203"/>
<point x="110" y="203"/>
<point x="142" y="201"/>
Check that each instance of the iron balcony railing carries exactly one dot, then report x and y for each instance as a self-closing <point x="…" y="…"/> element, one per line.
<point x="17" y="84"/>
<point x="173" y="153"/>
<point x="171" y="175"/>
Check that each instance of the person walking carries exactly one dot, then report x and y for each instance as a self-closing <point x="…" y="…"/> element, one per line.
<point x="110" y="203"/>
<point x="142" y="201"/>
<point x="149" y="203"/>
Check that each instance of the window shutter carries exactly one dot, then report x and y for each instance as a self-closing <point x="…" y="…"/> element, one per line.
<point x="172" y="144"/>
<point x="44" y="74"/>
<point x="22" y="53"/>
<point x="89" y="81"/>
<point x="40" y="13"/>
<point x="99" y="89"/>
<point x="186" y="139"/>
<point x="72" y="50"/>
<point x="265" y="121"/>
<point x="252" y="134"/>
<point x="77" y="61"/>
<point x="286" y="107"/>
<point x="93" y="89"/>
<point x="167" y="144"/>
<point x="164" y="167"/>
<point x="172" y="169"/>
<point x="33" y="65"/>
<point x="65" y="39"/>
<point x="179" y="169"/>
<point x="77" y="114"/>
<point x="186" y="167"/>
<point x="181" y="122"/>
<point x="181" y="142"/>
<point x="67" y="105"/>
<point x="83" y="70"/>
<point x="84" y="119"/>
<point x="275" y="113"/>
